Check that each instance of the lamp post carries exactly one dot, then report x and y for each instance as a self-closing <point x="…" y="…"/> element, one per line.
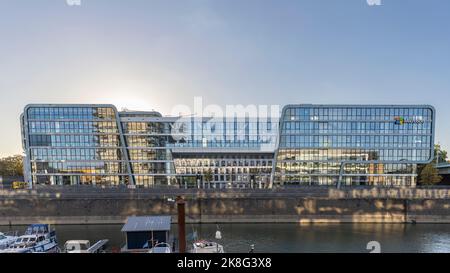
<point x="341" y="173"/>
<point x="181" y="224"/>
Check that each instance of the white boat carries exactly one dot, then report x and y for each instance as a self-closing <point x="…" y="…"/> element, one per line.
<point x="38" y="238"/>
<point x="6" y="240"/>
<point x="161" y="248"/>
<point x="84" y="246"/>
<point x="204" y="246"/>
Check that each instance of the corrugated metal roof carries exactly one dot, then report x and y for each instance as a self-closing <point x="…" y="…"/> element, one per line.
<point x="147" y="223"/>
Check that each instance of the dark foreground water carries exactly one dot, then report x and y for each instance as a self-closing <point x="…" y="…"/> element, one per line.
<point x="289" y="237"/>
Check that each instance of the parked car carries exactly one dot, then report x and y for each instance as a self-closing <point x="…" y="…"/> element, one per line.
<point x="18" y="185"/>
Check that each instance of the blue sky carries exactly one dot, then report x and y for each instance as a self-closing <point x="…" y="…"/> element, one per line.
<point x="147" y="54"/>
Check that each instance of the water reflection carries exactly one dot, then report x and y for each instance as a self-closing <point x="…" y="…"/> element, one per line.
<point x="290" y="237"/>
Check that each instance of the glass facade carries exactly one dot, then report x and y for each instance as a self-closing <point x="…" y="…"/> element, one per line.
<point x="147" y="135"/>
<point x="72" y="145"/>
<point x="357" y="145"/>
<point x="307" y="145"/>
<point x="193" y="152"/>
<point x="226" y="152"/>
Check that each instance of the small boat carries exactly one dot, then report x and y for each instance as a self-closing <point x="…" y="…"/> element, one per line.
<point x="204" y="246"/>
<point x="84" y="246"/>
<point x="38" y="238"/>
<point x="6" y="240"/>
<point x="161" y="248"/>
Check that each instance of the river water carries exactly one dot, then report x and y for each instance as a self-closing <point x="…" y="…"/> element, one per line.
<point x="287" y="238"/>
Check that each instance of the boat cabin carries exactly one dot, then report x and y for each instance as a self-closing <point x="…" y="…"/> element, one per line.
<point x="144" y="232"/>
<point x="77" y="246"/>
<point x="39" y="229"/>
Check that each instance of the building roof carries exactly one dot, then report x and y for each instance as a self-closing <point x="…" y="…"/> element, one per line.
<point x="147" y="223"/>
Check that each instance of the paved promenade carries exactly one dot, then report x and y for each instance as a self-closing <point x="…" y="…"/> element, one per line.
<point x="299" y="192"/>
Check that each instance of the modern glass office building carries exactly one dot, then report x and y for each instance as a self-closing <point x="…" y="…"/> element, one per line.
<point x="354" y="145"/>
<point x="69" y="145"/>
<point x="193" y="152"/>
<point x="308" y="145"/>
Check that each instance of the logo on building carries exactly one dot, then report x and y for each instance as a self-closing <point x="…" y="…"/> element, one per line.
<point x="414" y="120"/>
<point x="373" y="2"/>
<point x="399" y="120"/>
<point x="73" y="2"/>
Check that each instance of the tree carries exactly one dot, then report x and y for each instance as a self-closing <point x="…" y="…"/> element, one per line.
<point x="11" y="166"/>
<point x="440" y="156"/>
<point x="429" y="175"/>
<point x="208" y="175"/>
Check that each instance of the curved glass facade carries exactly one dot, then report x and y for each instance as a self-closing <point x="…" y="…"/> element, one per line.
<point x="359" y="145"/>
<point x="73" y="145"/>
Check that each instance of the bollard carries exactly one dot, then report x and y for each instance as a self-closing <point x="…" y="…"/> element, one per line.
<point x="181" y="224"/>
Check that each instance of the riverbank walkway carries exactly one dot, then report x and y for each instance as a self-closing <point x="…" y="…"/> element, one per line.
<point x="87" y="192"/>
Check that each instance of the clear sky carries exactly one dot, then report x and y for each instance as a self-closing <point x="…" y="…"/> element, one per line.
<point x="147" y="54"/>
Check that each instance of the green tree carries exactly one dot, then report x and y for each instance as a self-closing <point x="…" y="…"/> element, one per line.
<point x="429" y="175"/>
<point x="440" y="156"/>
<point x="11" y="166"/>
<point x="208" y="175"/>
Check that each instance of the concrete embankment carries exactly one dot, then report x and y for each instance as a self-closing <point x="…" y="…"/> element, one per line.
<point x="307" y="205"/>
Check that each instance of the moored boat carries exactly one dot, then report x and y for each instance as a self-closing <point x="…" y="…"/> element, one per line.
<point x="204" y="246"/>
<point x="38" y="238"/>
<point x="6" y="240"/>
<point x="84" y="246"/>
<point x="161" y="248"/>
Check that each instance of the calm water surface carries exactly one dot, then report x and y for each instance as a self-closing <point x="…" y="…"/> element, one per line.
<point x="289" y="237"/>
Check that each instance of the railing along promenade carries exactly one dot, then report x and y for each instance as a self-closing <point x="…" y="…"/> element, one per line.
<point x="357" y="192"/>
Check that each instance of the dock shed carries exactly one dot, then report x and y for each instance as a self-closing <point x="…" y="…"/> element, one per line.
<point x="143" y="232"/>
